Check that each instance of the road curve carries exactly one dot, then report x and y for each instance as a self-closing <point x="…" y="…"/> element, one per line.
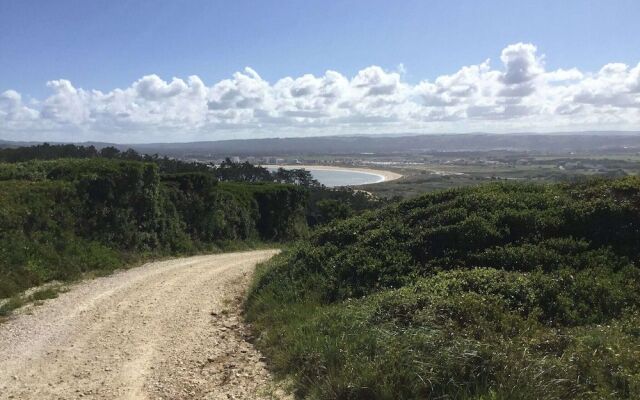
<point x="166" y="330"/>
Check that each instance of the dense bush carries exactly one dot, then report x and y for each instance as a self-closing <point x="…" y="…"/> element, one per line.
<point x="49" y="152"/>
<point x="61" y="218"/>
<point x="325" y="205"/>
<point x="497" y="292"/>
<point x="38" y="240"/>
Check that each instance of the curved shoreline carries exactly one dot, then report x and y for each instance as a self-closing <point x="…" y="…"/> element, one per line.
<point x="382" y="174"/>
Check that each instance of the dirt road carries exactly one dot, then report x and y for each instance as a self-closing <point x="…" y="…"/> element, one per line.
<point x="168" y="330"/>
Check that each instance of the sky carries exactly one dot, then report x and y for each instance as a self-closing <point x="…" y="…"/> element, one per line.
<point x="171" y="71"/>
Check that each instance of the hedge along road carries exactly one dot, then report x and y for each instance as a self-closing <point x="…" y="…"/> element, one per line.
<point x="168" y="329"/>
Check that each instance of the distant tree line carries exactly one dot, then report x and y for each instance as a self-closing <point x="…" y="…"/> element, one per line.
<point x="226" y="171"/>
<point x="324" y="204"/>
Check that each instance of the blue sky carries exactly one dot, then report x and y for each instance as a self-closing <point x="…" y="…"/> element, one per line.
<point x="105" y="45"/>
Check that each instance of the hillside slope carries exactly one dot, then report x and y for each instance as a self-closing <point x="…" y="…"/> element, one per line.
<point x="505" y="291"/>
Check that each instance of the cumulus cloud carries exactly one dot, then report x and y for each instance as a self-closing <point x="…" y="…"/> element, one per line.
<point x="516" y="94"/>
<point x="376" y="82"/>
<point x="615" y="85"/>
<point x="151" y="87"/>
<point x="13" y="111"/>
<point x="521" y="63"/>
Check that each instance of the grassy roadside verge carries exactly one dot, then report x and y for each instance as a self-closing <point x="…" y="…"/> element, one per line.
<point x="37" y="295"/>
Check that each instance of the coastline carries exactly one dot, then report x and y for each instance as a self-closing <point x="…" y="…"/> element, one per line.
<point x="384" y="175"/>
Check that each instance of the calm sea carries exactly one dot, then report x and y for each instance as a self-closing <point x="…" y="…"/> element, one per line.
<point x="333" y="178"/>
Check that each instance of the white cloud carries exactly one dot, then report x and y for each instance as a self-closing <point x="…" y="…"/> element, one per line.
<point x="67" y="105"/>
<point x="374" y="81"/>
<point x="615" y="85"/>
<point x="563" y="75"/>
<point x="519" y="94"/>
<point x="151" y="87"/>
<point x="521" y="63"/>
<point x="13" y="111"/>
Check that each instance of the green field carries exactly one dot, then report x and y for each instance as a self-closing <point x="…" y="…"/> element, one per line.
<point x="429" y="173"/>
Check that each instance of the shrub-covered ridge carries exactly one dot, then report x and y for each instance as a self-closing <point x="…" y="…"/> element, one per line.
<point x="503" y="291"/>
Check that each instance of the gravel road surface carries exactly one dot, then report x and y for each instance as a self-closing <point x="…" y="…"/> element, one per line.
<point x="165" y="330"/>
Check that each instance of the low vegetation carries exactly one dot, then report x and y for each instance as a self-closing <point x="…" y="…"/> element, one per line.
<point x="502" y="291"/>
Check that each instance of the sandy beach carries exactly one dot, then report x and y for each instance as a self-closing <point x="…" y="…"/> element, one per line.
<point x="384" y="175"/>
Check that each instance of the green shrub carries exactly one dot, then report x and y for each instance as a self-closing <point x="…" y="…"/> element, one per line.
<point x="62" y="218"/>
<point x="504" y="291"/>
<point x="10" y="305"/>
<point x="44" y="294"/>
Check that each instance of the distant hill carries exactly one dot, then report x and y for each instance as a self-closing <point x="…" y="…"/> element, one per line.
<point x="551" y="143"/>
